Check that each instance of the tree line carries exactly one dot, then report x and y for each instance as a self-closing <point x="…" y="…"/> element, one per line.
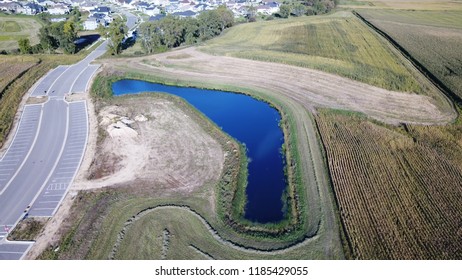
<point x="306" y="7"/>
<point x="172" y="31"/>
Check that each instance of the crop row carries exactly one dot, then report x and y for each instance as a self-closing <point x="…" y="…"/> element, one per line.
<point x="338" y="44"/>
<point x="437" y="48"/>
<point x="398" y="199"/>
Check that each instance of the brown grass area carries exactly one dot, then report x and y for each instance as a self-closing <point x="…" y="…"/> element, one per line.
<point x="309" y="87"/>
<point x="28" y="229"/>
<point x="12" y="67"/>
<point x="399" y="194"/>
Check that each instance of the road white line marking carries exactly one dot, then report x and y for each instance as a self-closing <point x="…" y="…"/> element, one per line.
<point x="91" y="77"/>
<point x="71" y="90"/>
<point x="28" y="153"/>
<point x="57" y="159"/>
<point x="81" y="155"/>
<point x="11" y="252"/>
<point x="16" y="133"/>
<point x="49" y="89"/>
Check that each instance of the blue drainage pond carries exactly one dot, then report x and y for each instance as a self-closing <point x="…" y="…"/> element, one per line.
<point x="250" y="121"/>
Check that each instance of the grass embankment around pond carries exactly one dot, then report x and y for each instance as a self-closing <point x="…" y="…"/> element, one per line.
<point x="314" y="232"/>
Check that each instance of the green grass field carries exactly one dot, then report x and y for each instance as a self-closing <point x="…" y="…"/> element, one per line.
<point x="13" y="28"/>
<point x="338" y="44"/>
<point x="433" y="38"/>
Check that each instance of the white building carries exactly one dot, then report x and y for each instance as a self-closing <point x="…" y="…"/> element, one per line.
<point x="58" y="10"/>
<point x="91" y="23"/>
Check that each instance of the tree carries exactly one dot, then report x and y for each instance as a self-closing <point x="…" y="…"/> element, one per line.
<point x="24" y="46"/>
<point x="191" y="32"/>
<point x="209" y="24"/>
<point x="251" y="13"/>
<point x="298" y="9"/>
<point x="68" y="36"/>
<point x="47" y="41"/>
<point x="226" y="17"/>
<point x="284" y="11"/>
<point x="102" y="31"/>
<point x="117" y="33"/>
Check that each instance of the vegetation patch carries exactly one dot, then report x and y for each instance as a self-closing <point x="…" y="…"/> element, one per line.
<point x="431" y="38"/>
<point x="398" y="188"/>
<point x="13" y="28"/>
<point x="339" y="44"/>
<point x="28" y="229"/>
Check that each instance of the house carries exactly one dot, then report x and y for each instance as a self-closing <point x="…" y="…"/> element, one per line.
<point x="157" y="17"/>
<point x="59" y="9"/>
<point x="268" y="9"/>
<point x="11" y="7"/>
<point x="57" y="19"/>
<point x="141" y="6"/>
<point x="88" y="6"/>
<point x="32" y="9"/>
<point x="91" y="23"/>
<point x="101" y="10"/>
<point x="185" y="14"/>
<point x="152" y="11"/>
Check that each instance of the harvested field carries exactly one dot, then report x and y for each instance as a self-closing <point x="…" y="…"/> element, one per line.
<point x="440" y="5"/>
<point x="315" y="89"/>
<point x="339" y="44"/>
<point x="433" y="38"/>
<point x="398" y="193"/>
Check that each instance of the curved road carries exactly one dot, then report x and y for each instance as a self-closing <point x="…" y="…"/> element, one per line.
<point x="46" y="151"/>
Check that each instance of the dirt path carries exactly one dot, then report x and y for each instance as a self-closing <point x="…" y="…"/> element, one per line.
<point x="309" y="87"/>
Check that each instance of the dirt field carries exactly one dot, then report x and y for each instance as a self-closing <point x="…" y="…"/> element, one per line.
<point x="309" y="87"/>
<point x="151" y="140"/>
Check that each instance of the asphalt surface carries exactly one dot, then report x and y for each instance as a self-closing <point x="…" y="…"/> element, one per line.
<point x="46" y="152"/>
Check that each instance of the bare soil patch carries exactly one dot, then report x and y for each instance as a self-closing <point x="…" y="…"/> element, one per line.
<point x="149" y="139"/>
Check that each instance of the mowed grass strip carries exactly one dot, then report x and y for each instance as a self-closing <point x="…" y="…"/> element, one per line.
<point x="433" y="38"/>
<point x="398" y="192"/>
<point x="9" y="26"/>
<point x="338" y="44"/>
<point x="13" y="28"/>
<point x="187" y="238"/>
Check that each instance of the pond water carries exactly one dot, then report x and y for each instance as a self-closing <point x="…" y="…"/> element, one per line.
<point x="253" y="123"/>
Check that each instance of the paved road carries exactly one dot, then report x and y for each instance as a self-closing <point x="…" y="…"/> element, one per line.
<point x="46" y="152"/>
<point x="131" y="19"/>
